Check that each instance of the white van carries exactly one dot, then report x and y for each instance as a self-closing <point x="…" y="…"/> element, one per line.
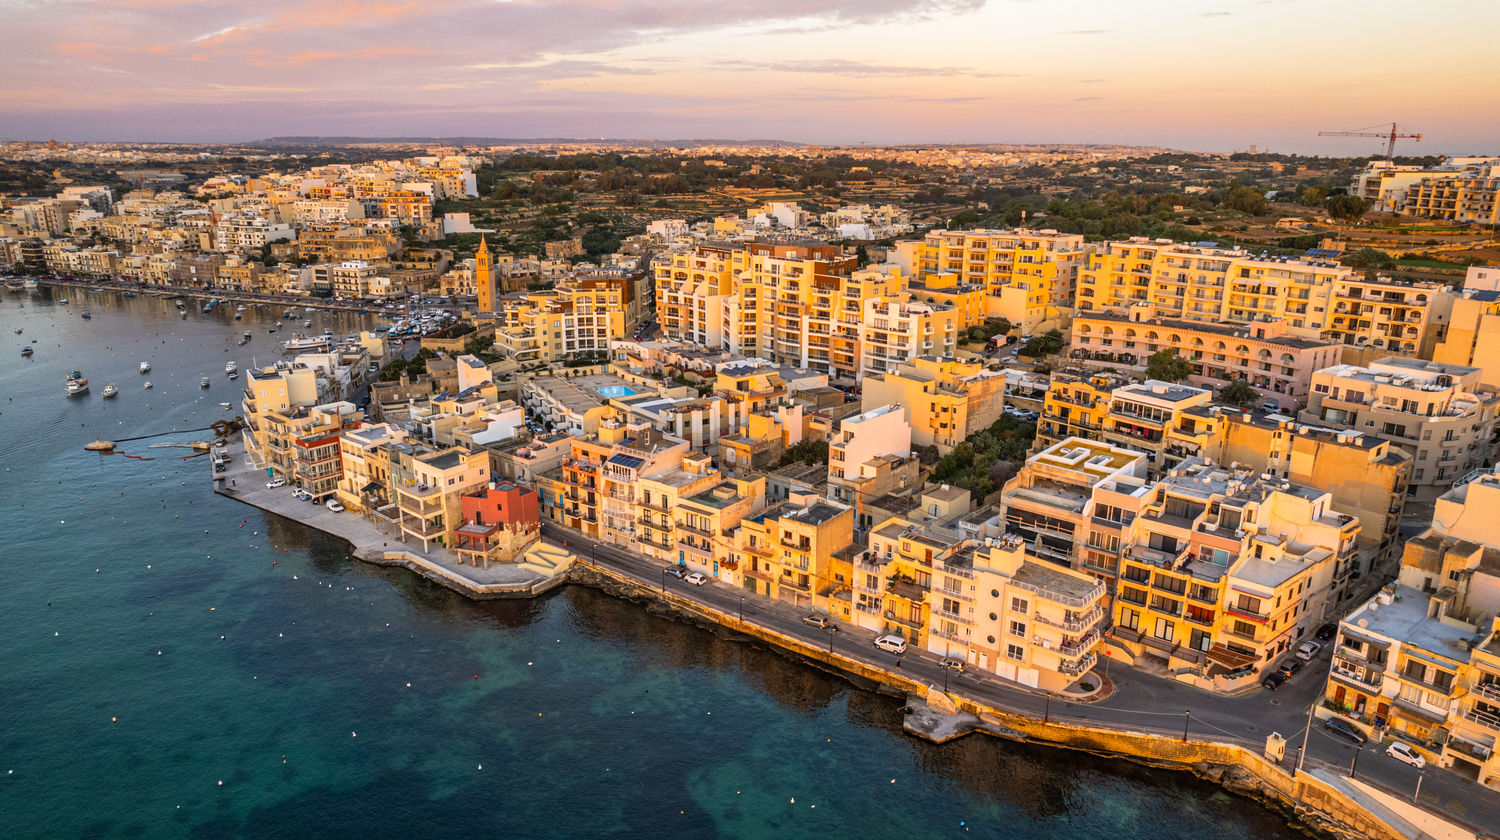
<point x="894" y="644"/>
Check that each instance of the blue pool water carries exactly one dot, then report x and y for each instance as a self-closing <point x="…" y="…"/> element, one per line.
<point x="617" y="391"/>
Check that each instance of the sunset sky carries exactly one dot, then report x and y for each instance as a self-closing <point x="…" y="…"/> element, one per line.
<point x="1199" y="76"/>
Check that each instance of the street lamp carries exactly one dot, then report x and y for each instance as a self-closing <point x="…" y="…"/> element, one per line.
<point x="1306" y="733"/>
<point x="663" y="581"/>
<point x="742" y="609"/>
<point x="1187" y="719"/>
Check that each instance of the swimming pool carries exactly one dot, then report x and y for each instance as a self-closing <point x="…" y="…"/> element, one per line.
<point x="615" y="391"/>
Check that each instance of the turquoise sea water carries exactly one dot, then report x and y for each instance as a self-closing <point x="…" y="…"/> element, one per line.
<point x="157" y="640"/>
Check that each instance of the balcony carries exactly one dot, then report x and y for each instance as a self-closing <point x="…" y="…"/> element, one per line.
<point x="908" y="622"/>
<point x="1086" y="622"/>
<point x="1489" y="691"/>
<point x="1488" y="721"/>
<point x="426" y="507"/>
<point x="422" y="528"/>
<point x="1369" y="682"/>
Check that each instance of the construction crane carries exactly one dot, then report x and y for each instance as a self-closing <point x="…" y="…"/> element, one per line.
<point x="1389" y="136"/>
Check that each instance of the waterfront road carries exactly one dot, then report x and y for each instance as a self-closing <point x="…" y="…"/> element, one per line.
<point x="1140" y="702"/>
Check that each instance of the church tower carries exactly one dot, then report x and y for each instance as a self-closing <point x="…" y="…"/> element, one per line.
<point x="484" y="278"/>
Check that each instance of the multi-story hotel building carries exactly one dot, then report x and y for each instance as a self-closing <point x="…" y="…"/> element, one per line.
<point x="1028" y="275"/>
<point x="943" y="399"/>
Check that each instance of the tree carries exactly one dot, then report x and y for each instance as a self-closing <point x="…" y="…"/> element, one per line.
<point x="1346" y="208"/>
<point x="1238" y="393"/>
<point x="1314" y="196"/>
<point x="1246" y="200"/>
<point x="862" y="256"/>
<point x="1369" y="258"/>
<point x="1167" y="366"/>
<point x="1049" y="342"/>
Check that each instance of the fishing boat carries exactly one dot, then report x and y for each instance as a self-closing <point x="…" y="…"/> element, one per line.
<point x="86" y="315"/>
<point x="110" y="389"/>
<point x="29" y="285"/>
<point x="247" y="335"/>
<point x="145" y="367"/>
<point x="179" y="304"/>
<point x="62" y="300"/>
<point x="226" y="406"/>
<point x="26" y="351"/>
<point x="147" y="386"/>
<point x="129" y="294"/>
<point x="203" y="382"/>
<point x="77" y="384"/>
<point x="231" y="367"/>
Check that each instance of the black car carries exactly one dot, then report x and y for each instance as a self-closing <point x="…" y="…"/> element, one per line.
<point x="1346" y="730"/>
<point x="1327" y="632"/>
<point x="1289" y="667"/>
<point x="1274" y="680"/>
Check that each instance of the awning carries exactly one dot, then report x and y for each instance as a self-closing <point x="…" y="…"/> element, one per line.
<point x="1230" y="659"/>
<point x="370" y="488"/>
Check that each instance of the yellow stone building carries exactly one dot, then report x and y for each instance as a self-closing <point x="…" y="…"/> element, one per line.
<point x="945" y="400"/>
<point x="1028" y="276"/>
<point x="429" y="502"/>
<point x="1472" y="338"/>
<point x="1223" y="571"/>
<point x="484" y="279"/>
<point x="558" y="324"/>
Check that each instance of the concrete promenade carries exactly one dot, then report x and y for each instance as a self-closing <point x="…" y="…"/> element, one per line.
<point x="380" y="542"/>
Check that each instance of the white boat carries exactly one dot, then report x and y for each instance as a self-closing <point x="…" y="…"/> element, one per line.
<point x="148" y="386"/>
<point x="62" y="300"/>
<point x="231" y="367"/>
<point x="226" y="406"/>
<point x="29" y="284"/>
<point x="77" y="384"/>
<point x="203" y="382"/>
<point x="110" y="389"/>
<point x="299" y="342"/>
<point x="145" y="367"/>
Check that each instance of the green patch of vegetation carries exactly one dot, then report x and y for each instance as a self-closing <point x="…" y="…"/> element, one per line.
<point x="981" y="460"/>
<point x="808" y="451"/>
<point x="1049" y="342"/>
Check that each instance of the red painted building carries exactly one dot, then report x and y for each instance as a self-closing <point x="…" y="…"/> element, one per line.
<point x="497" y="520"/>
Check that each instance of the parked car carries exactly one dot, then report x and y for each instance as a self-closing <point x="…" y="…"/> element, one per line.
<point x="894" y="644"/>
<point x="696" y="579"/>
<point x="821" y="622"/>
<point x="275" y="483"/>
<point x="333" y="505"/>
<point x="1340" y="727"/>
<point x="1327" y="631"/>
<point x="1289" y="668"/>
<point x="1273" y="680"/>
<point x="1402" y="751"/>
<point x="1307" y="650"/>
<point x="952" y="664"/>
<point x="675" y="570"/>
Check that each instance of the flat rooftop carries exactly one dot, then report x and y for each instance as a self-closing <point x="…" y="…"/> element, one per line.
<point x="1051" y="580"/>
<point x="1405" y="619"/>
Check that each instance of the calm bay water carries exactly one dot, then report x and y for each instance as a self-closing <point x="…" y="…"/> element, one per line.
<point x="157" y="640"/>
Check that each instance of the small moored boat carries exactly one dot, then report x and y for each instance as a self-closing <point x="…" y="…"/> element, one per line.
<point x="26" y="351"/>
<point x="203" y="382"/>
<point x="110" y="389"/>
<point x="145" y="367"/>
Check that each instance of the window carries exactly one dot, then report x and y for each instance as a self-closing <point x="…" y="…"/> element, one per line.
<point x="1015" y="652"/>
<point x="1130" y="619"/>
<point x="1164" y="629"/>
<point x="1018" y="628"/>
<point x="1019" y="605"/>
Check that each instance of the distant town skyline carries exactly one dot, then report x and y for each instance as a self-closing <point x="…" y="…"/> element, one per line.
<point x="1199" y="77"/>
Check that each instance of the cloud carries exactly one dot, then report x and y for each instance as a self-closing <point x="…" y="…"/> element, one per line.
<point x="1087" y="98"/>
<point x="1214" y="14"/>
<point x="1086" y="31"/>
<point x="845" y="67"/>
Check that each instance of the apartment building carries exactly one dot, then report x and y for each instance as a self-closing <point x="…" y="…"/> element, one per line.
<point x="944" y="400"/>
<point x="596" y="490"/>
<point x="1472" y="338"/>
<point x="1386" y="314"/>
<point x="1029" y="277"/>
<point x="429" y="503"/>
<point x="561" y="323"/>
<point x="657" y="521"/>
<point x="247" y="234"/>
<point x="1264" y="354"/>
<point x="1075" y="404"/>
<point x="707" y="527"/>
<point x="1201" y="282"/>
<point x="1460" y="190"/>
<point x="1030" y="621"/>
<point x="349" y="279"/>
<point x="1070" y="503"/>
<point x="864" y="437"/>
<point x="365" y="483"/>
<point x="789" y="551"/>
<point x="896" y="331"/>
<point x="281" y="390"/>
<point x="1366" y="475"/>
<point x="1434" y="411"/>
<point x="1147" y="416"/>
<point x="1223" y="572"/>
